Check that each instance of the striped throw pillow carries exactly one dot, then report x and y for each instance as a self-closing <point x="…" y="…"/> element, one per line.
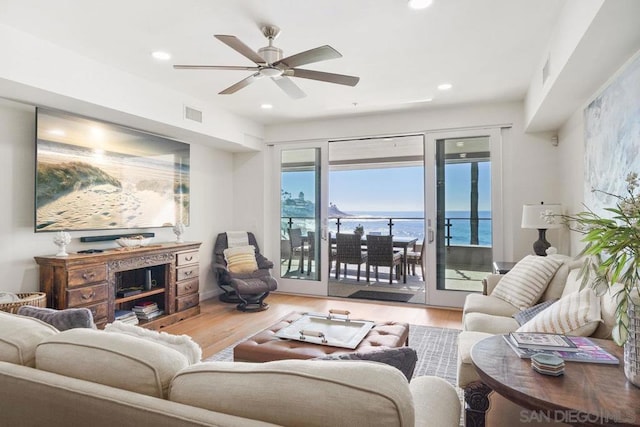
<point x="574" y="314"/>
<point x="241" y="259"/>
<point x="523" y="285"/>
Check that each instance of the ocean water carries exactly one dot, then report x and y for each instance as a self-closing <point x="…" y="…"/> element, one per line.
<point x="404" y="225"/>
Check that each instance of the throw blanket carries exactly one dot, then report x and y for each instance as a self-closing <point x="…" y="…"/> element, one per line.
<point x="237" y="238"/>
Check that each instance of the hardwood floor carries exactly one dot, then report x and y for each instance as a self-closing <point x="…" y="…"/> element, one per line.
<point x="219" y="324"/>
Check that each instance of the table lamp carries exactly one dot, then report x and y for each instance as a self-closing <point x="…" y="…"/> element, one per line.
<point x="538" y="217"/>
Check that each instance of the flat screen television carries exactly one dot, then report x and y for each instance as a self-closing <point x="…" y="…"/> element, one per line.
<point x="94" y="175"/>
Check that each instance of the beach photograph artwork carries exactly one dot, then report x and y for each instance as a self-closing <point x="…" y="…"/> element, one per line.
<point x="93" y="175"/>
<point x="612" y="129"/>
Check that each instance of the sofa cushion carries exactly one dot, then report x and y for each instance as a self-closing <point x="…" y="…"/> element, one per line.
<point x="241" y="259"/>
<point x="466" y="371"/>
<point x="556" y="284"/>
<point x="482" y="322"/>
<point x="574" y="281"/>
<point x="477" y="303"/>
<point x="116" y="360"/>
<point x="574" y="314"/>
<point x="19" y="337"/>
<point x="60" y="319"/>
<point x="182" y="343"/>
<point x="523" y="285"/>
<point x="527" y="314"/>
<point x="299" y="392"/>
<point x="608" y="306"/>
<point x="402" y="358"/>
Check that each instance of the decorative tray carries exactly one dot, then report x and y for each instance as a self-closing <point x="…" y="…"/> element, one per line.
<point x="331" y="330"/>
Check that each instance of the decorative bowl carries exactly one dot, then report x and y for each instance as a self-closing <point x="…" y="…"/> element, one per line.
<point x="133" y="242"/>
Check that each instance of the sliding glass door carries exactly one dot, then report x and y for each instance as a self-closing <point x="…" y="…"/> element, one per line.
<point x="466" y="211"/>
<point x="301" y="213"/>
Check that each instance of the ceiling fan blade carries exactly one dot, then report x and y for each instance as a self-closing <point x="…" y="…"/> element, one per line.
<point x="214" y="67"/>
<point x="289" y="87"/>
<point x="321" y="53"/>
<point x="234" y="43"/>
<point x="242" y="83"/>
<point x="340" y="79"/>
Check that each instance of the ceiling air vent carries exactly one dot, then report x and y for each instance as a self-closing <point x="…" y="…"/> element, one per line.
<point x="192" y="114"/>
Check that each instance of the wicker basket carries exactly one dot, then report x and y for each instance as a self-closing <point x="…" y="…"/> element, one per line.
<point x="36" y="299"/>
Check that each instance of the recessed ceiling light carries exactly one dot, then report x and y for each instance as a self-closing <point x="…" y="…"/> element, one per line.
<point x="420" y="4"/>
<point x="58" y="132"/>
<point x="445" y="86"/>
<point x="266" y="106"/>
<point x="158" y="54"/>
<point x="421" y="100"/>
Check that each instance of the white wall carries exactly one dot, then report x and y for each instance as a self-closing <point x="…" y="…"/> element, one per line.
<point x="531" y="164"/>
<point x="211" y="172"/>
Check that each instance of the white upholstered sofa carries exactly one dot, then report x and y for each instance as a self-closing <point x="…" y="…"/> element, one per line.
<point x="91" y="377"/>
<point x="485" y="315"/>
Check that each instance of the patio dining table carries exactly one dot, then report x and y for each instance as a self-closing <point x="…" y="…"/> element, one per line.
<point x="398" y="242"/>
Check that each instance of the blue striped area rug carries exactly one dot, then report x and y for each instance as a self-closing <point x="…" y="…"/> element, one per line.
<point x="437" y="350"/>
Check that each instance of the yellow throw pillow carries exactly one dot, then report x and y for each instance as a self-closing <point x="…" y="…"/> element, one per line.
<point x="241" y="259"/>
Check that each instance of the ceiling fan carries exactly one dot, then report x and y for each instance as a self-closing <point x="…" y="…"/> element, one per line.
<point x="270" y="63"/>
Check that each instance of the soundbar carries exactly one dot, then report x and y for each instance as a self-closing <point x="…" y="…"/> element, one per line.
<point x="113" y="237"/>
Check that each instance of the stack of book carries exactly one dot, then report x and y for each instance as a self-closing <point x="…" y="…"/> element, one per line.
<point x="126" y="316"/>
<point x="147" y="310"/>
<point x="569" y="348"/>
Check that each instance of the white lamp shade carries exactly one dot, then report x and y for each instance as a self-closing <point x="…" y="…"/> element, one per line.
<point x="538" y="216"/>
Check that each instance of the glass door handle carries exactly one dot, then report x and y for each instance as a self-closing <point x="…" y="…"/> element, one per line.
<point x="431" y="235"/>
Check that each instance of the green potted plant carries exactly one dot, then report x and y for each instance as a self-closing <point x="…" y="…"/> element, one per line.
<point x="359" y="230"/>
<point x="612" y="253"/>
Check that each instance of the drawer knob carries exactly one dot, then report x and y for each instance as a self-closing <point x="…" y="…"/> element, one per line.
<point x="188" y="287"/>
<point x="88" y="275"/>
<point x="188" y="258"/>
<point x="188" y="273"/>
<point x="89" y="295"/>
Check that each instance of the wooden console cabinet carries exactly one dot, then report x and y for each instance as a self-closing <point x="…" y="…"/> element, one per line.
<point x="95" y="280"/>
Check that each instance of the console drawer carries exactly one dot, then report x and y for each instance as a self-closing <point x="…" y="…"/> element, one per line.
<point x="184" y="273"/>
<point x="84" y="276"/>
<point x="99" y="311"/>
<point x="184" y="258"/>
<point x="87" y="295"/>
<point x="188" y="301"/>
<point x="186" y="287"/>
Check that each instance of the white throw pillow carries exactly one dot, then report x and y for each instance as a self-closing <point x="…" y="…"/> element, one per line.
<point x="241" y="259"/>
<point x="527" y="280"/>
<point x="574" y="314"/>
<point x="182" y="343"/>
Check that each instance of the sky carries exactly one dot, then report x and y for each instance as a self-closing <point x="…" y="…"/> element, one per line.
<point x="393" y="189"/>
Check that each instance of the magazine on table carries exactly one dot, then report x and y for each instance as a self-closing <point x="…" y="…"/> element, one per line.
<point x="588" y="352"/>
<point x="542" y="341"/>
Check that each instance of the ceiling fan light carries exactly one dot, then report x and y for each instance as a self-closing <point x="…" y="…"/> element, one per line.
<point x="419" y="4"/>
<point x="270" y="72"/>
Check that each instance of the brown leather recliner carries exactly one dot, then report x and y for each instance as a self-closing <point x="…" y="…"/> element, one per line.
<point x="248" y="290"/>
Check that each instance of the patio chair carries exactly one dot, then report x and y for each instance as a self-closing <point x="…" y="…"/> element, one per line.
<point x="296" y="248"/>
<point x="416" y="257"/>
<point x="311" y="249"/>
<point x="380" y="253"/>
<point x="249" y="289"/>
<point x="349" y="251"/>
<point x="333" y="252"/>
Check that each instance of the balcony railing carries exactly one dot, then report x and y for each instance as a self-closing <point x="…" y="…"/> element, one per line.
<point x="457" y="231"/>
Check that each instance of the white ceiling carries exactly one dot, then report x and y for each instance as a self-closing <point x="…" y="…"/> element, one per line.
<point x="488" y="49"/>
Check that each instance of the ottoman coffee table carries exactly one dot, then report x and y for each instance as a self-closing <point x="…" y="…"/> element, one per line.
<point x="265" y="346"/>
